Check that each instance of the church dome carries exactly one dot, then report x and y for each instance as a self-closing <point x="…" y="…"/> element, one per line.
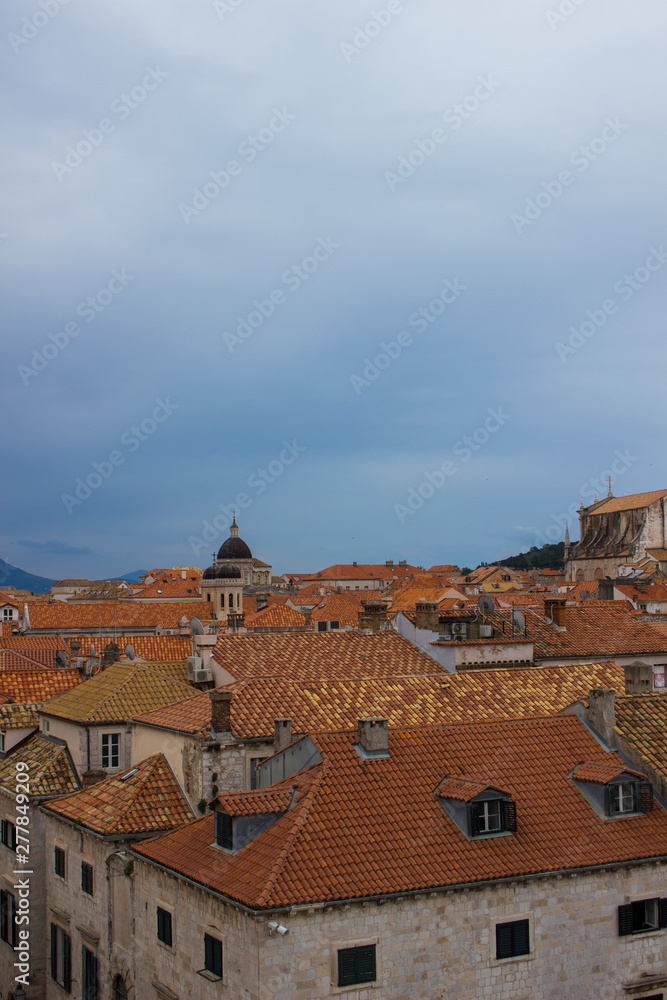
<point x="209" y="574"/>
<point x="227" y="572"/>
<point x="234" y="547"/>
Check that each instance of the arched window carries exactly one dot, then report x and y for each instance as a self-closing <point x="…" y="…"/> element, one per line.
<point x="119" y="989"/>
<point x="222" y="601"/>
<point x="230" y="602"/>
<point x="208" y="597"/>
<point x="238" y="600"/>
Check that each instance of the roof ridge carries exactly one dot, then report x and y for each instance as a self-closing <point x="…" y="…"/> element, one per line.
<point x="305" y="805"/>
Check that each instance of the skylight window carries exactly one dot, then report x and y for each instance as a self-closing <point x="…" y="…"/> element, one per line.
<point x="129" y="774"/>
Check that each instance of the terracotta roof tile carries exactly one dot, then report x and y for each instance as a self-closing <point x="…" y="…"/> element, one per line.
<point x="633" y="502"/>
<point x="458" y="788"/>
<point x="255" y="803"/>
<point x="37" y="685"/>
<point x="121" y="692"/>
<point x="49" y="765"/>
<point x="276" y="616"/>
<point x="600" y="774"/>
<point x="193" y="715"/>
<point x="14" y="716"/>
<point x="361" y="829"/>
<point x="121" y="614"/>
<point x="145" y="799"/>
<point x="642" y="720"/>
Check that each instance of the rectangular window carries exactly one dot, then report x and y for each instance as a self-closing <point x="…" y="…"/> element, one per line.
<point x="61" y="958"/>
<point x="213" y="956"/>
<point x="59" y="862"/>
<point x="87" y="878"/>
<point x="623" y="797"/>
<point x="223" y="830"/>
<point x="2" y="741"/>
<point x="641" y="916"/>
<point x="356" y="965"/>
<point x="492" y="816"/>
<point x="164" y="926"/>
<point x="8" y="929"/>
<point x="512" y="939"/>
<point x="88" y="974"/>
<point x="627" y="797"/>
<point x="110" y="747"/>
<point x="8" y="834"/>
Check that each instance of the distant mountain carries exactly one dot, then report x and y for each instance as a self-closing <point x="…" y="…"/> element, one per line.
<point x="132" y="577"/>
<point x="548" y="557"/>
<point x="12" y="576"/>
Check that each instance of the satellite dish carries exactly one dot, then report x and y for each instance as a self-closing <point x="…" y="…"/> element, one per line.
<point x="486" y="605"/>
<point x="196" y="626"/>
<point x="93" y="651"/>
<point x="130" y="653"/>
<point x="554" y="588"/>
<point x="61" y="658"/>
<point x="518" y="620"/>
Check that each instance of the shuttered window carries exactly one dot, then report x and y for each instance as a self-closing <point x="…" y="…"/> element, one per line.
<point x="8" y="928"/>
<point x="356" y="965"/>
<point x="512" y="939"/>
<point x="223" y="830"/>
<point x="628" y="797"/>
<point x="59" y="862"/>
<point x="88" y="974"/>
<point x="492" y="816"/>
<point x="87" y="878"/>
<point x="61" y="957"/>
<point x="8" y="834"/>
<point x="164" y="926"/>
<point x="641" y="916"/>
<point x="213" y="956"/>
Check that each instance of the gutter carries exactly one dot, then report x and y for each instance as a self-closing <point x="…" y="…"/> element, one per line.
<point x="408" y="894"/>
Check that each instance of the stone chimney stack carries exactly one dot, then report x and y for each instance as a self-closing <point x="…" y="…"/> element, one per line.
<point x="554" y="608"/>
<point x="427" y="615"/>
<point x="374" y="613"/>
<point x="374" y="736"/>
<point x="184" y="574"/>
<point x="221" y="710"/>
<point x="602" y="713"/>
<point x="638" y="678"/>
<point x="89" y="778"/>
<point x="282" y="729"/>
<point x="262" y="601"/>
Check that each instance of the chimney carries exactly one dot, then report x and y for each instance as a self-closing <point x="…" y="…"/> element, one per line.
<point x="111" y="654"/>
<point x="221" y="710"/>
<point x="184" y="574"/>
<point x="389" y="562"/>
<point x="428" y="616"/>
<point x="307" y="615"/>
<point x="282" y="729"/>
<point x="374" y="736"/>
<point x="262" y="601"/>
<point x="403" y="562"/>
<point x="602" y="713"/>
<point x="374" y="612"/>
<point x="554" y="608"/>
<point x="89" y="778"/>
<point x="638" y="678"/>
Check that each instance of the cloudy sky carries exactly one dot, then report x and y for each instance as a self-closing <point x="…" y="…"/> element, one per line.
<point x="388" y="279"/>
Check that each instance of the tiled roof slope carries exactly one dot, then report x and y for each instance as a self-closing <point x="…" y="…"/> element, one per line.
<point x="49" y="765"/>
<point x="360" y="828"/>
<point x="337" y="608"/>
<point x="146" y="799"/>
<point x="601" y="773"/>
<point x="161" y="589"/>
<point x="148" y="647"/>
<point x="470" y="696"/>
<point x="34" y="659"/>
<point x="642" y="720"/>
<point x="123" y="614"/>
<point x="32" y="642"/>
<point x="26" y="685"/>
<point x="14" y="716"/>
<point x="275" y="616"/>
<point x="312" y="655"/>
<point x="122" y="691"/>
<point x="633" y="502"/>
<point x="192" y="716"/>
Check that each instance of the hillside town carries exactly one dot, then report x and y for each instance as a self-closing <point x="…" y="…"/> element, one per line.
<point x="380" y="781"/>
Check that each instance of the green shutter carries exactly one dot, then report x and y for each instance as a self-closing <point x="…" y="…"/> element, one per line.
<point x="366" y="964"/>
<point x="625" y="922"/>
<point x="223" y="830"/>
<point x="521" y="933"/>
<point x="67" y="962"/>
<point x="508" y="815"/>
<point x="504" y="941"/>
<point x="645" y="796"/>
<point x="213" y="955"/>
<point x="347" y="967"/>
<point x="54" y="951"/>
<point x="663" y="912"/>
<point x="473" y="819"/>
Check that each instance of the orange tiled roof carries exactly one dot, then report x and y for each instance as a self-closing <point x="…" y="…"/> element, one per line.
<point x="122" y="691"/>
<point x="460" y="789"/>
<point x="633" y="502"/>
<point x="312" y="655"/>
<point x="192" y="716"/>
<point x="363" y="571"/>
<point x="469" y="696"/>
<point x="16" y="716"/>
<point x="49" y="765"/>
<point x="337" y="608"/>
<point x="34" y="659"/>
<point x="641" y="719"/>
<point x="28" y="642"/>
<point x="107" y="614"/>
<point x="255" y="803"/>
<point x="162" y="589"/>
<point x="361" y="829"/>
<point x="601" y="773"/>
<point x="37" y="685"/>
<point x="275" y="616"/>
<point x="145" y="799"/>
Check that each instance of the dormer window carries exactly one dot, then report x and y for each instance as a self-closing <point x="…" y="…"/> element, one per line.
<point x="478" y="809"/>
<point x="612" y="792"/>
<point x="623" y="797"/>
<point x="240" y="817"/>
<point x="224" y="836"/>
<point x="486" y="816"/>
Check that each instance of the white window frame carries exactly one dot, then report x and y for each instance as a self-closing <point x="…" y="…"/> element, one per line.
<point x="111" y="739"/>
